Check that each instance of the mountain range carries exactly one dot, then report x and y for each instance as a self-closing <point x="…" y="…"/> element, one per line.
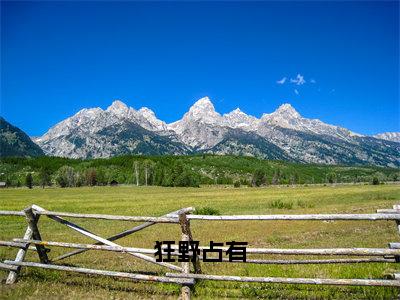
<point x="283" y="134"/>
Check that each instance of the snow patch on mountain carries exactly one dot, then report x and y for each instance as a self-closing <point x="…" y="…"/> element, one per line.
<point x="119" y="108"/>
<point x="238" y="119"/>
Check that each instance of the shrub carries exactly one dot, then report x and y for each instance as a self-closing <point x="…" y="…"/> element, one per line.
<point x="236" y="184"/>
<point x="280" y="204"/>
<point x="375" y="180"/>
<point x="207" y="210"/>
<point x="303" y="204"/>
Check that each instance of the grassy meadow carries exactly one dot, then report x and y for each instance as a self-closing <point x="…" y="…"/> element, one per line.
<point x="156" y="201"/>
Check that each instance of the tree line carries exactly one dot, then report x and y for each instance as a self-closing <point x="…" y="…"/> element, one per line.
<point x="190" y="171"/>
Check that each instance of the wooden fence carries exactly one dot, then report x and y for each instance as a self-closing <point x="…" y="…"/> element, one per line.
<point x="183" y="275"/>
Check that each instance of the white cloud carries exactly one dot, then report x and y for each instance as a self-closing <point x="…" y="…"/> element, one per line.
<point x="299" y="80"/>
<point x="282" y="81"/>
<point x="312" y="80"/>
<point x="296" y="91"/>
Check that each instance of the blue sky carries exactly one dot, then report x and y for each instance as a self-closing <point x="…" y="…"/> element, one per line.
<point x="57" y="58"/>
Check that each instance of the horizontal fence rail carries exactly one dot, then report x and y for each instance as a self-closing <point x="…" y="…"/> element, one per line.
<point x="19" y="243"/>
<point x="138" y="277"/>
<point x="322" y="217"/>
<point x="392" y="216"/>
<point x="12" y="213"/>
<point x="356" y="282"/>
<point x="32" y="240"/>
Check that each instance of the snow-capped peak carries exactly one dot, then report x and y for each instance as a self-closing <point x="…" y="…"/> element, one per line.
<point x="287" y="110"/>
<point x="203" y="110"/>
<point x="287" y="117"/>
<point x="150" y="116"/>
<point x="203" y="104"/>
<point x="118" y="107"/>
<point x="282" y="115"/>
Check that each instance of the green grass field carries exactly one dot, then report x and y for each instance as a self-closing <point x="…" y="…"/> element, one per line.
<point x="156" y="201"/>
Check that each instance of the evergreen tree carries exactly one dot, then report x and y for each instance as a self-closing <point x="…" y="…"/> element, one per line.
<point x="44" y="176"/>
<point x="331" y="177"/>
<point x="375" y="180"/>
<point x="29" y="180"/>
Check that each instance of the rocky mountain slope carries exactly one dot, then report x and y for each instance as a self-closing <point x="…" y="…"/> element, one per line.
<point x="389" y="136"/>
<point x="283" y="134"/>
<point x="14" y="142"/>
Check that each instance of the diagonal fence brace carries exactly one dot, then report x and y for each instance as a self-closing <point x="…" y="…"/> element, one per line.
<point x="105" y="241"/>
<point x="124" y="233"/>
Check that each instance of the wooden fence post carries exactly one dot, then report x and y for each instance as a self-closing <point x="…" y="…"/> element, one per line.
<point x="185" y="225"/>
<point x="12" y="276"/>
<point x="396" y="257"/>
<point x="33" y="219"/>
<point x="186" y="236"/>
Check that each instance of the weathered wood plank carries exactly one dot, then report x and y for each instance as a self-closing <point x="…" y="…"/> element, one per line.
<point x="388" y="211"/>
<point x="320" y="217"/>
<point x="12" y="213"/>
<point x="384" y="214"/>
<point x="14" y="244"/>
<point x="327" y="251"/>
<point x="313" y="261"/>
<point x="321" y="251"/>
<point x="17" y="244"/>
<point x="394" y="245"/>
<point x="322" y="281"/>
<point x="4" y="266"/>
<point x="133" y="276"/>
<point x="21" y="242"/>
<point x="87" y="246"/>
<point x="110" y="217"/>
<point x="126" y="232"/>
<point x="12" y="276"/>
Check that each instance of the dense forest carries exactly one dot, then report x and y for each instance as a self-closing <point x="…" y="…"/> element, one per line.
<point x="180" y="171"/>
